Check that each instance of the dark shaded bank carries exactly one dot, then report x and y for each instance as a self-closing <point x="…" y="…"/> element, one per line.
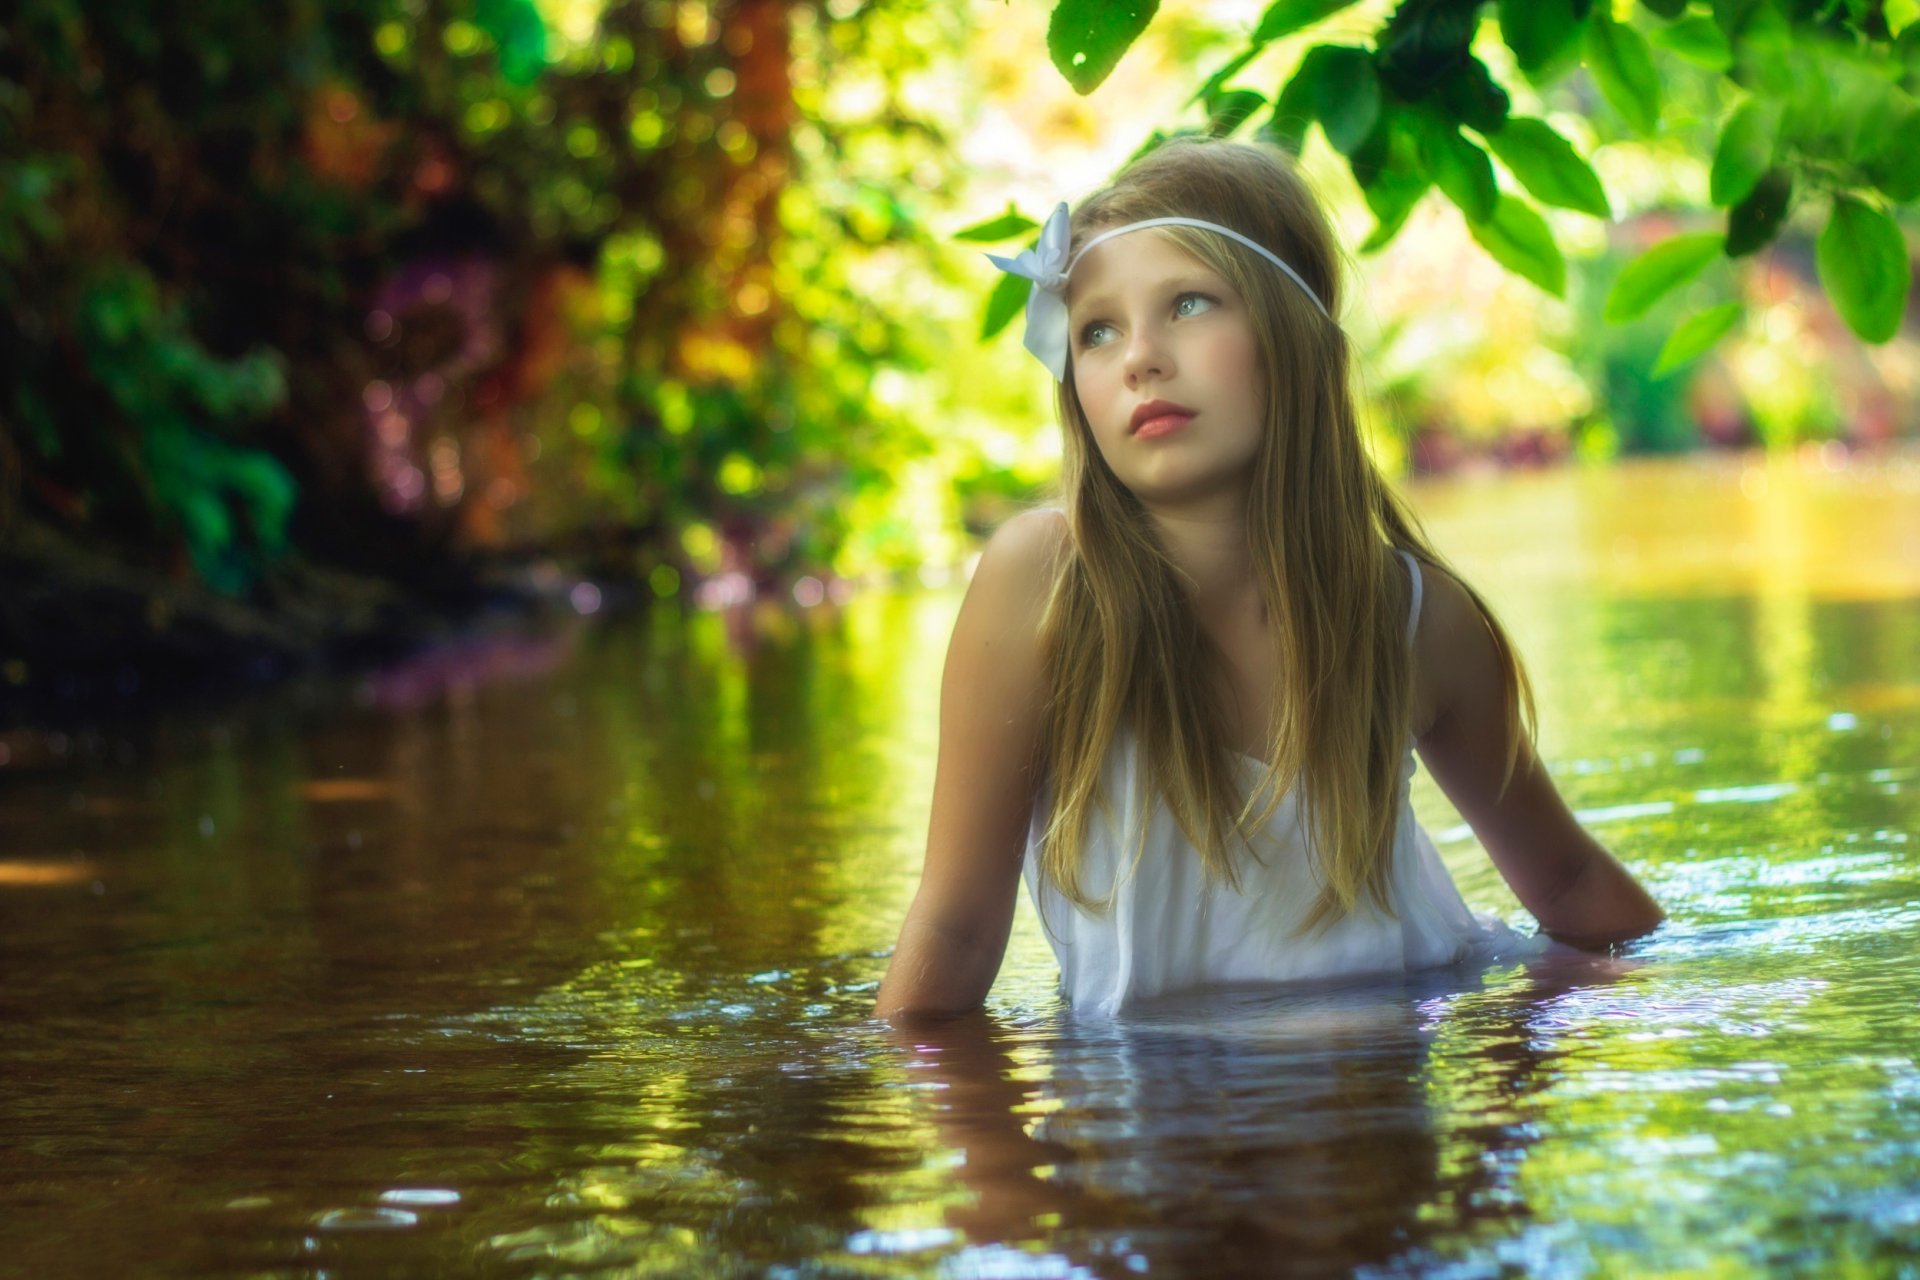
<point x="86" y="637"/>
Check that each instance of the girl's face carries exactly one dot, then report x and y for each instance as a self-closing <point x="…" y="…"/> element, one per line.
<point x="1148" y="321"/>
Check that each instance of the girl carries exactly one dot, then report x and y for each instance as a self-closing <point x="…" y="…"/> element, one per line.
<point x="1187" y="704"/>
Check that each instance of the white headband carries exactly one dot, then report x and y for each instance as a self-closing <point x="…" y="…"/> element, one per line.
<point x="1046" y="264"/>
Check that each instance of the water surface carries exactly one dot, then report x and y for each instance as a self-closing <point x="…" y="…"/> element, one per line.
<point x="554" y="957"/>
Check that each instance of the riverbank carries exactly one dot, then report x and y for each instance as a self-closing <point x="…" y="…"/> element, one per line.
<point x="86" y="637"/>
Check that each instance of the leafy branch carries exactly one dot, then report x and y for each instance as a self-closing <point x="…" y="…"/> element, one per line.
<point x="1826" y="112"/>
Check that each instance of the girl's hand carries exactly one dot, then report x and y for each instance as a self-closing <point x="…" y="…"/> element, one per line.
<point x="1579" y="892"/>
<point x="991" y="724"/>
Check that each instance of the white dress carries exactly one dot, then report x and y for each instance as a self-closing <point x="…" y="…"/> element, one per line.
<point x="1170" y="929"/>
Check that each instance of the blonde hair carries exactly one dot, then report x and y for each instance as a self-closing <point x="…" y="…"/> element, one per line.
<point x="1123" y="646"/>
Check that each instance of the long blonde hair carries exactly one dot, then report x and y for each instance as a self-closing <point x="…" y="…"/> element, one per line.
<point x="1124" y="648"/>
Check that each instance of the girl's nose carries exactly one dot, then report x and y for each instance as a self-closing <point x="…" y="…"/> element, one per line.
<point x="1147" y="353"/>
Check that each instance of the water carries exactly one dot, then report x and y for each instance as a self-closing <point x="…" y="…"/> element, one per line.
<point x="555" y="958"/>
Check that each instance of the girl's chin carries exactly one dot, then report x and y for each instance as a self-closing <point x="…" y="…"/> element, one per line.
<point x="1168" y="490"/>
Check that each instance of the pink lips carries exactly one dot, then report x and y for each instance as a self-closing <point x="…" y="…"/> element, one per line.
<point x="1158" y="417"/>
<point x="1165" y="425"/>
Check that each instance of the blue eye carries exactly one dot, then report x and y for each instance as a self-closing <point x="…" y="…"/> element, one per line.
<point x="1087" y="332"/>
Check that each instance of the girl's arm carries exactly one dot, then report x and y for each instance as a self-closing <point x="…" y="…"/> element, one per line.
<point x="1579" y="892"/>
<point x="991" y="708"/>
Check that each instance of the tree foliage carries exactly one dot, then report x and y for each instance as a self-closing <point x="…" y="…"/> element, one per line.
<point x="1822" y="115"/>
<point x="385" y="281"/>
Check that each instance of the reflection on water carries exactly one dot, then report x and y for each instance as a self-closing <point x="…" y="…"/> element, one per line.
<point x="557" y="958"/>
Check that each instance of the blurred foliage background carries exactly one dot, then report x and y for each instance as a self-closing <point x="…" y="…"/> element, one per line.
<point x="670" y="294"/>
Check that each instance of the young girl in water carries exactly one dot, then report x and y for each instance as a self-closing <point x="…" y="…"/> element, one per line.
<point x="1186" y="705"/>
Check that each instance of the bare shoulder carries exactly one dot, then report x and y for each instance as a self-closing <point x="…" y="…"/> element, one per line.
<point x="1018" y="565"/>
<point x="1446" y="609"/>
<point x="1030" y="544"/>
<point x="1454" y="655"/>
<point x="995" y="659"/>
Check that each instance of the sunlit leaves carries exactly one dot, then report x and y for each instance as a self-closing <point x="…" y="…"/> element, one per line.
<point x="1745" y="151"/>
<point x="1284" y="17"/>
<point x="1087" y="38"/>
<point x="1623" y="69"/>
<point x="1297" y="106"/>
<point x="1664" y="267"/>
<point x="1862" y="259"/>
<point x="1004" y="227"/>
<point x="1696" y="334"/>
<point x="1697" y="38"/>
<point x="1889" y="156"/>
<point x="1008" y="298"/>
<point x="1010" y="291"/>
<point x="1519" y="239"/>
<point x="1455" y="165"/>
<point x="1211" y="87"/>
<point x="1541" y="33"/>
<point x="1394" y="189"/>
<point x="1826" y="106"/>
<point x="1548" y="167"/>
<point x="1227" y="111"/>
<point x="1346" y="96"/>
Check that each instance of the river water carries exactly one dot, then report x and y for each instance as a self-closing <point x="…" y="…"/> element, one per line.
<point x="555" y="957"/>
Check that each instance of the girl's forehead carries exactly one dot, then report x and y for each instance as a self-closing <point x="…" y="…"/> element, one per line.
<point x="1137" y="259"/>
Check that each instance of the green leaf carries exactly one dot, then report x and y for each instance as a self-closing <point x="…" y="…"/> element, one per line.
<point x="1424" y="44"/>
<point x="1219" y="78"/>
<point x="1548" y="167"/>
<point x="1470" y="96"/>
<point x="1753" y="222"/>
<point x="1901" y="14"/>
<point x="1087" y="38"/>
<point x="1697" y="333"/>
<point x="1745" y="151"/>
<point x="1889" y="155"/>
<point x="1538" y="31"/>
<point x="1293" y="110"/>
<point x="1862" y="260"/>
<point x="1668" y="264"/>
<point x="993" y="230"/>
<point x="1393" y="189"/>
<point x="1458" y="168"/>
<point x="519" y="34"/>
<point x="1346" y="96"/>
<point x="1699" y="40"/>
<point x="1009" y="298"/>
<point x="1520" y="240"/>
<point x="1154" y="141"/>
<point x="1373" y="151"/>
<point x="1623" y="68"/>
<point x="267" y="492"/>
<point x="1668" y="9"/>
<point x="1229" y="110"/>
<point x="1284" y="17"/>
<point x="1748" y="22"/>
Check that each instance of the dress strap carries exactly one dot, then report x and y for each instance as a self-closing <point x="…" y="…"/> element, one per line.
<point x="1413" y="610"/>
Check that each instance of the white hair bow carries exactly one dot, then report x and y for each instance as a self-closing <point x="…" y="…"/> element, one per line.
<point x="1046" y="265"/>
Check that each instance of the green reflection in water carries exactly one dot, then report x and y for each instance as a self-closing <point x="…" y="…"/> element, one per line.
<point x="586" y="941"/>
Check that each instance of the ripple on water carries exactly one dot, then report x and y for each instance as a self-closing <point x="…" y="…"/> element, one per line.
<point x="365" y="1219"/>
<point x="420" y="1196"/>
